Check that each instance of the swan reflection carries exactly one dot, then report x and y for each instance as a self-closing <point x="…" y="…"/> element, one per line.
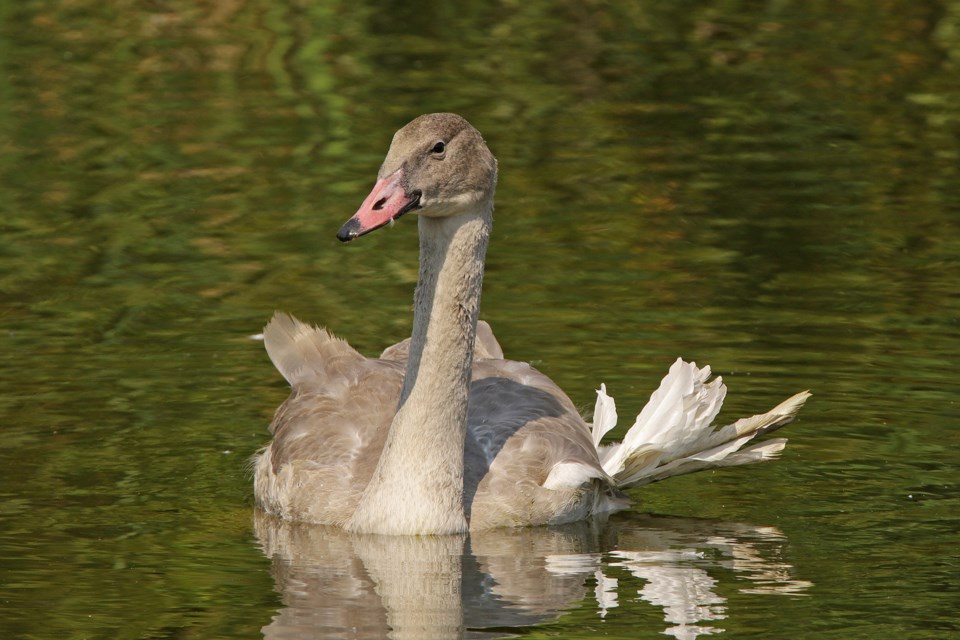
<point x="335" y="584"/>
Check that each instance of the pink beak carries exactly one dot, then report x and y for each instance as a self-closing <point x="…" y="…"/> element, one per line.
<point x="387" y="202"/>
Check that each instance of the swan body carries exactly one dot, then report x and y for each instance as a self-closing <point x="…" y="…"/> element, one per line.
<point x="441" y="434"/>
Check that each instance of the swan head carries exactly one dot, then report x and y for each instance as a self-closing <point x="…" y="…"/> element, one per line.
<point x="438" y="166"/>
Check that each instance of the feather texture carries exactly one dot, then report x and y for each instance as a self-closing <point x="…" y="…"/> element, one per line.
<point x="674" y="433"/>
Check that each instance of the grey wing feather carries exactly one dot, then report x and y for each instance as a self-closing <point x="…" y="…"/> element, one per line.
<point x="521" y="426"/>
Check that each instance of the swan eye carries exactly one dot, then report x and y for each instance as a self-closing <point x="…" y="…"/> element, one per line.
<point x="438" y="148"/>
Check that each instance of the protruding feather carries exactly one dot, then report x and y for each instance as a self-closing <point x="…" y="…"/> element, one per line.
<point x="301" y="352"/>
<point x="673" y="434"/>
<point x="604" y="415"/>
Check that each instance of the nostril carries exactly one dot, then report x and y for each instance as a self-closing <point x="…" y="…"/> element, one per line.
<point x="379" y="204"/>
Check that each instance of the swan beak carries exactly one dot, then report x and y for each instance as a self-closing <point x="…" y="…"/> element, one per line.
<point x="388" y="201"/>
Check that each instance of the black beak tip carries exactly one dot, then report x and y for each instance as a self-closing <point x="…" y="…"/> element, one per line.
<point x="349" y="230"/>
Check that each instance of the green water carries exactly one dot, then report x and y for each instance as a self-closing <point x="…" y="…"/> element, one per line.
<point x="771" y="188"/>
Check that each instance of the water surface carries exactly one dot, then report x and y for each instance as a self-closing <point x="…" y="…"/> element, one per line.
<point x="770" y="188"/>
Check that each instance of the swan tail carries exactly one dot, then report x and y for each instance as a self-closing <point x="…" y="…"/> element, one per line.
<point x="674" y="433"/>
<point x="300" y="352"/>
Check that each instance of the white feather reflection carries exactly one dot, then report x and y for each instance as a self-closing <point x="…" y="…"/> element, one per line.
<point x="684" y="590"/>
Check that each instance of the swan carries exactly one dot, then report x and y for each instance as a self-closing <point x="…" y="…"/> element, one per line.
<point x="441" y="434"/>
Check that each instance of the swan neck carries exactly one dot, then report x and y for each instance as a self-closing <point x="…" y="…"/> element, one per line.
<point x="418" y="484"/>
<point x="446" y="303"/>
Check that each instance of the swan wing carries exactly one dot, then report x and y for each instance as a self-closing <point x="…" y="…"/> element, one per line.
<point x="328" y="434"/>
<point x="674" y="433"/>
<point x="529" y="455"/>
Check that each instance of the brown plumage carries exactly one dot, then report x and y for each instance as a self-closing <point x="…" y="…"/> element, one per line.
<point x="441" y="434"/>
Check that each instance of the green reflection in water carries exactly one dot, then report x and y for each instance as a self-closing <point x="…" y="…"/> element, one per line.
<point x="770" y="188"/>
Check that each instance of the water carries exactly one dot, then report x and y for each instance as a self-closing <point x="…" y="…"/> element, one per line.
<point x="772" y="189"/>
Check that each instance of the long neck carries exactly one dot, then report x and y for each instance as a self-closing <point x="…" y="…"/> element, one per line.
<point x="418" y="484"/>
